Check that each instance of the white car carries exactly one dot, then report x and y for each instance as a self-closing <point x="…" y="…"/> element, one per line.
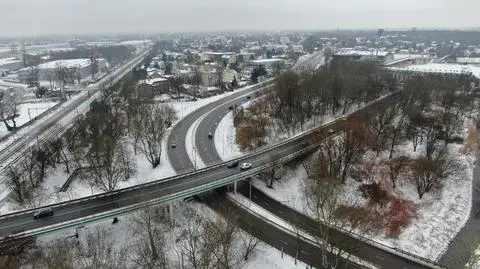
<point x="245" y="166"/>
<point x="331" y="131"/>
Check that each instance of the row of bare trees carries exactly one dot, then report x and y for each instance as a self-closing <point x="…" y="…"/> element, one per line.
<point x="97" y="144"/>
<point x="430" y="114"/>
<point x="299" y="99"/>
<point x="157" y="242"/>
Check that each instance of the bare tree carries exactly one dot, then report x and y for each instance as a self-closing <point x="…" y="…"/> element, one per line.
<point x="16" y="183"/>
<point x="99" y="252"/>
<point x="149" y="249"/>
<point x="8" y="109"/>
<point x="429" y="173"/>
<point x="193" y="249"/>
<point x="152" y="125"/>
<point x="396" y="167"/>
<point x="336" y="156"/>
<point x="107" y="156"/>
<point x="249" y="244"/>
<point x="32" y="79"/>
<point x="196" y="81"/>
<point x="324" y="198"/>
<point x="220" y="235"/>
<point x="58" y="255"/>
<point x="276" y="172"/>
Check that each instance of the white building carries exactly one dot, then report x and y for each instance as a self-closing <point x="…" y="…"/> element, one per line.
<point x="10" y="64"/>
<point x="82" y="68"/>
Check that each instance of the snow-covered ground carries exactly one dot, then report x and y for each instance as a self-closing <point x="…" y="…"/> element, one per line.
<point x="440" y="215"/>
<point x="27" y="112"/>
<point x="49" y="194"/>
<point x="123" y="236"/>
<point x="28" y="129"/>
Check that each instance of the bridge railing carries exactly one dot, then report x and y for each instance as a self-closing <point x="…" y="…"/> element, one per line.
<point x="202" y="170"/>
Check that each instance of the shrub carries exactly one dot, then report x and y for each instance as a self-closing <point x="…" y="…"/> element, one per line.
<point x="375" y="193"/>
<point x="399" y="215"/>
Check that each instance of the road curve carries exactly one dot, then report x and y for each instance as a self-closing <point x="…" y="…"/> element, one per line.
<point x="178" y="134"/>
<point x="208" y="153"/>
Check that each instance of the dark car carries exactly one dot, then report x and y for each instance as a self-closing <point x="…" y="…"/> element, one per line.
<point x="233" y="165"/>
<point x="230" y="108"/>
<point x="46" y="212"/>
<point x="304" y="144"/>
<point x="210" y="135"/>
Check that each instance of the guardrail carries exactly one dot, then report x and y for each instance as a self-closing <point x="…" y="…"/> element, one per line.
<point x="198" y="171"/>
<point x="167" y="198"/>
<point x="302" y="236"/>
<point x="199" y="189"/>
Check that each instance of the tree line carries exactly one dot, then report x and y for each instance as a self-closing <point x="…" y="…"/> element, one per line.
<point x="299" y="99"/>
<point x="192" y="240"/>
<point x="100" y="144"/>
<point x="375" y="148"/>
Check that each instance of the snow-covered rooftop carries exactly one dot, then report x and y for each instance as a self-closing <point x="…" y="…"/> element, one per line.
<point x="441" y="68"/>
<point x="135" y="42"/>
<point x="468" y="60"/>
<point x="218" y="53"/>
<point x="65" y="63"/>
<point x="8" y="60"/>
<point x="353" y="52"/>
<point x="266" y="61"/>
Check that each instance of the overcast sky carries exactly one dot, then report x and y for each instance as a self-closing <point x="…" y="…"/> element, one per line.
<point x="38" y="17"/>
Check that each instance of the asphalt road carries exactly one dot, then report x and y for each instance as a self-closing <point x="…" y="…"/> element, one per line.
<point x="208" y="153"/>
<point x="178" y="134"/>
<point x="50" y="127"/>
<point x="467" y="240"/>
<point x="72" y="210"/>
<point x="288" y="243"/>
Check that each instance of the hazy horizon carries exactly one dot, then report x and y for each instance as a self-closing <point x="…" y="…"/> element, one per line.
<point x="75" y="17"/>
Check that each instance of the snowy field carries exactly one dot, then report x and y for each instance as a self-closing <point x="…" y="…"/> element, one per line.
<point x="440" y="214"/>
<point x="27" y="112"/>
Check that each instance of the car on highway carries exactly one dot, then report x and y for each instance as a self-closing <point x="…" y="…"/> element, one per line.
<point x="331" y="131"/>
<point x="232" y="165"/>
<point x="245" y="166"/>
<point x="304" y="144"/>
<point x="210" y="135"/>
<point x="42" y="213"/>
<point x="174" y="145"/>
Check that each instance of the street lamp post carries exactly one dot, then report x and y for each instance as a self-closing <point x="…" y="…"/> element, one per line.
<point x="195" y="157"/>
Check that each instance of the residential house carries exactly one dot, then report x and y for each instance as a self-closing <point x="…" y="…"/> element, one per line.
<point x="147" y="89"/>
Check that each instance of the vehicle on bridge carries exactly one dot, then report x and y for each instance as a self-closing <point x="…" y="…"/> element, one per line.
<point x="233" y="165"/>
<point x="245" y="166"/>
<point x="46" y="212"/>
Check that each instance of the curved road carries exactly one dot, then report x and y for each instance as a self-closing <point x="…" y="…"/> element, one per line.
<point x="178" y="134"/>
<point x="208" y="153"/>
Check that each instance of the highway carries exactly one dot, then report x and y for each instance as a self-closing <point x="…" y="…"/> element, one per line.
<point x="73" y="213"/>
<point x="277" y="238"/>
<point x="178" y="134"/>
<point x="57" y="122"/>
<point x="208" y="153"/>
